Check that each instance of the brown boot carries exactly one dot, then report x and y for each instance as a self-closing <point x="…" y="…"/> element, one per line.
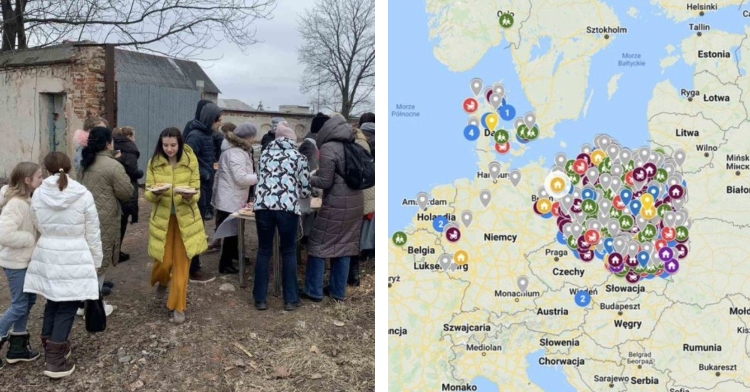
<point x="71" y="346"/>
<point x="57" y="365"/>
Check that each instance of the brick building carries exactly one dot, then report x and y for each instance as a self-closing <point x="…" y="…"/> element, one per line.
<point x="45" y="95"/>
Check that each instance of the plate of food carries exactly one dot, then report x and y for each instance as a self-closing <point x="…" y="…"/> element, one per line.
<point x="159" y="187"/>
<point x="246" y="212"/>
<point x="185" y="190"/>
<point x="316" y="203"/>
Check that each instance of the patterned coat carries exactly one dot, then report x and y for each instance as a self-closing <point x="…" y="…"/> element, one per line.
<point x="283" y="177"/>
<point x="109" y="184"/>
<point x="185" y="173"/>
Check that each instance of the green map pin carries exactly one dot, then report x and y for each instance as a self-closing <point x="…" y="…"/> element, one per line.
<point x="626" y="222"/>
<point x="589" y="207"/>
<point x="506" y="20"/>
<point x="661" y="175"/>
<point x="399" y="238"/>
<point x="682" y="233"/>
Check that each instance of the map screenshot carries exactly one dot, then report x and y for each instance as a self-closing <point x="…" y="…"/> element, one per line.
<point x="569" y="192"/>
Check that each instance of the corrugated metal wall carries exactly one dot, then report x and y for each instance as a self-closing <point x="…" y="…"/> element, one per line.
<point x="150" y="109"/>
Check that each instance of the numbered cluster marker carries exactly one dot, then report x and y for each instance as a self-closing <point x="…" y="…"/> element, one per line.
<point x="624" y="207"/>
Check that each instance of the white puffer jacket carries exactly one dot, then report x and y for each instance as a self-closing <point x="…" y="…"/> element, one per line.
<point x="17" y="233"/>
<point x="63" y="265"/>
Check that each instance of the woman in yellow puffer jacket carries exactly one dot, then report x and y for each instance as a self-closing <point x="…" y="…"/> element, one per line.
<point x="176" y="232"/>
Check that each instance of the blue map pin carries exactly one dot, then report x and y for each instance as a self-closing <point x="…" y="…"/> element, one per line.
<point x="625" y="196"/>
<point x="654" y="191"/>
<point x="582" y="298"/>
<point x="643" y="258"/>
<point x="635" y="207"/>
<point x="609" y="245"/>
<point x="588" y="194"/>
<point x="471" y="132"/>
<point x="439" y="223"/>
<point x="506" y="112"/>
<point x="561" y="238"/>
<point x="599" y="255"/>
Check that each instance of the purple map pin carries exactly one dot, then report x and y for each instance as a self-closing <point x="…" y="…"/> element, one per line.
<point x="672" y="266"/>
<point x="615" y="260"/>
<point x="632" y="277"/>
<point x="682" y="251"/>
<point x="676" y="192"/>
<point x="666" y="254"/>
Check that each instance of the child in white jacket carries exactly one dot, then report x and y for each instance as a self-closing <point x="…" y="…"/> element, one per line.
<point x="64" y="262"/>
<point x="17" y="240"/>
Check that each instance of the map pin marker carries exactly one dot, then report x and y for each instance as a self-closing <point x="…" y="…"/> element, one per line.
<point x="586" y="149"/>
<point x="515" y="177"/>
<point x="494" y="170"/>
<point x="605" y="180"/>
<point x="560" y="159"/>
<point x="592" y="175"/>
<point x="633" y="248"/>
<point x="476" y="86"/>
<point x="670" y="218"/>
<point x="485" y="196"/>
<point x="613" y="151"/>
<point x="680" y="218"/>
<point x="473" y="121"/>
<point x="620" y="245"/>
<point x="499" y="89"/>
<point x="422" y="200"/>
<point x="529" y="119"/>
<point x="495" y="100"/>
<point x="678" y="203"/>
<point x="445" y="261"/>
<point x="625" y="155"/>
<point x="640" y="222"/>
<point x="679" y="156"/>
<point x="577" y="229"/>
<point x="567" y="202"/>
<point x="523" y="283"/>
<point x="604" y="142"/>
<point x="517" y="123"/>
<point x="613" y="227"/>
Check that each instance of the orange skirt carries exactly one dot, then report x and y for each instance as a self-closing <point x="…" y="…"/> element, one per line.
<point x="174" y="267"/>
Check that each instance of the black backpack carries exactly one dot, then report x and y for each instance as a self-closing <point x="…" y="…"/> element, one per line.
<point x="359" y="167"/>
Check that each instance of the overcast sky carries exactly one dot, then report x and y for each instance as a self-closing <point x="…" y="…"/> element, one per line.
<point x="269" y="71"/>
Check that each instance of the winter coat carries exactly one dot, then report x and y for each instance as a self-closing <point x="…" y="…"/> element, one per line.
<point x="109" y="184"/>
<point x="235" y="175"/>
<point x="336" y="229"/>
<point x="199" y="138"/>
<point x="17" y="232"/>
<point x="218" y="139"/>
<point x="309" y="149"/>
<point x="185" y="173"/>
<point x="282" y="178"/>
<point x="64" y="262"/>
<point x="369" y="193"/>
<point x="129" y="156"/>
<point x="368" y="129"/>
<point x="267" y="139"/>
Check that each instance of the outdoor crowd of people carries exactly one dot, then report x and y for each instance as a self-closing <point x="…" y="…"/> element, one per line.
<point x="59" y="235"/>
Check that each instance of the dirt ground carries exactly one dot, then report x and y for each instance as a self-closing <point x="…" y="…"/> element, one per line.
<point x="225" y="344"/>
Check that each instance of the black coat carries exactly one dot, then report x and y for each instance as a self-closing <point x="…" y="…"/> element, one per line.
<point x="199" y="137"/>
<point x="266" y="140"/>
<point x="129" y="155"/>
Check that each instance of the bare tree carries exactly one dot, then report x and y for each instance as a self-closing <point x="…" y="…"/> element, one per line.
<point x="339" y="53"/>
<point x="174" y="27"/>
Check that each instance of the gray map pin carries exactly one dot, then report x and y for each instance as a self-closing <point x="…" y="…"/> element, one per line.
<point x="523" y="283"/>
<point x="670" y="218"/>
<point x="616" y="170"/>
<point x="576" y="229"/>
<point x="593" y="224"/>
<point x="586" y="148"/>
<point x="494" y="168"/>
<point x="542" y="193"/>
<point x="605" y="180"/>
<point x="644" y="153"/>
<point x="476" y="86"/>
<point x="515" y="177"/>
<point x="647" y="247"/>
<point x="613" y="151"/>
<point x="616" y="184"/>
<point x="473" y="121"/>
<point x="613" y="227"/>
<point x="499" y="89"/>
<point x="423" y="200"/>
<point x="625" y="155"/>
<point x="678" y="203"/>
<point x="529" y="119"/>
<point x="466" y="218"/>
<point x="620" y="245"/>
<point x="680" y="217"/>
<point x="640" y="222"/>
<point x="517" y="122"/>
<point x="560" y="160"/>
<point x="604" y="142"/>
<point x="679" y="156"/>
<point x="568" y="229"/>
<point x="592" y="174"/>
<point x="579" y="217"/>
<point x="445" y="261"/>
<point x="495" y="100"/>
<point x="485" y="196"/>
<point x="633" y="248"/>
<point x="567" y="202"/>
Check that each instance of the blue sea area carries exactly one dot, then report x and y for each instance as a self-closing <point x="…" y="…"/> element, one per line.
<point x="431" y="149"/>
<point x="548" y="378"/>
<point x="484" y="384"/>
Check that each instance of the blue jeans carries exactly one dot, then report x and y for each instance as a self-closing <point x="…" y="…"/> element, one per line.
<point x="267" y="222"/>
<point x="20" y="303"/>
<point x="316" y="268"/>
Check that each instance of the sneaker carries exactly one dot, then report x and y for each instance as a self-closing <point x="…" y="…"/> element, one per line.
<point x="161" y="291"/>
<point x="178" y="317"/>
<point x="106" y="291"/>
<point x="201" y="277"/>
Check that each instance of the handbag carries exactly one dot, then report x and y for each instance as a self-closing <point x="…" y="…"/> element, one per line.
<point x="96" y="318"/>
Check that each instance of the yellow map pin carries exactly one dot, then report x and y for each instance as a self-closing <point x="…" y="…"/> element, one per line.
<point x="461" y="257"/>
<point x="543" y="206"/>
<point x="647" y="200"/>
<point x="648" y="212"/>
<point x="597" y="157"/>
<point x="492" y="119"/>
